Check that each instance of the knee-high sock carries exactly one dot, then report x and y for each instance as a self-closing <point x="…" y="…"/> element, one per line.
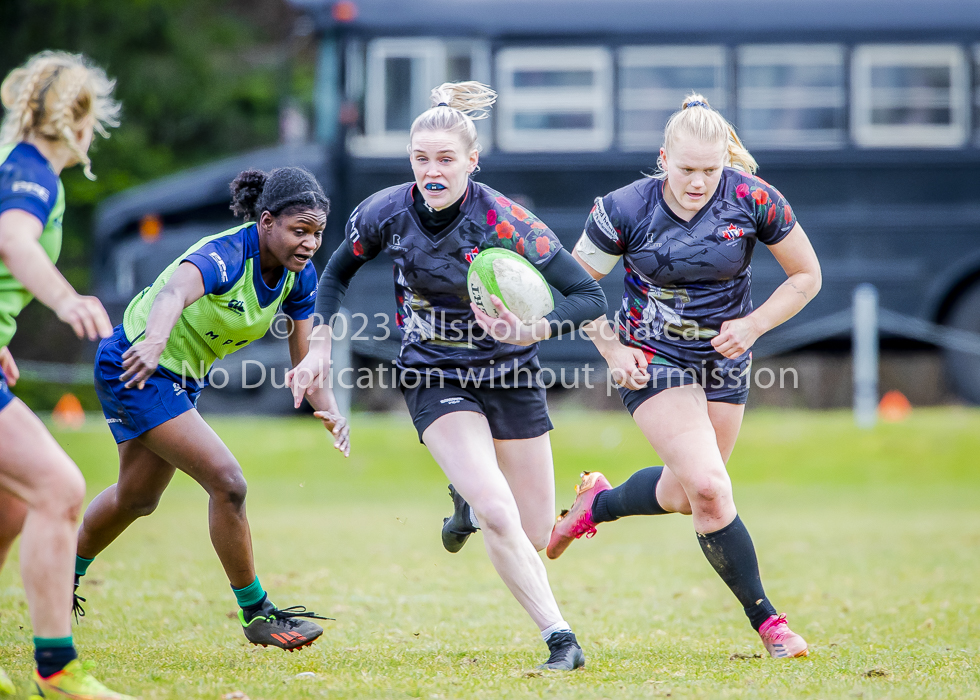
<point x="731" y="552"/>
<point x="635" y="496"/>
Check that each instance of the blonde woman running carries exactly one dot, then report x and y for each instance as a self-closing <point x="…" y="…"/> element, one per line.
<point x="682" y="352"/>
<point x="54" y="104"/>
<point x="473" y="398"/>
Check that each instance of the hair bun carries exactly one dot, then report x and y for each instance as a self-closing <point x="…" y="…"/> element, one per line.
<point x="245" y="192"/>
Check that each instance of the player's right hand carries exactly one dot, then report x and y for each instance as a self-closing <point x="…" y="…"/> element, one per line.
<point x="140" y="362"/>
<point x="86" y="316"/>
<point x="310" y="374"/>
<point x="627" y="366"/>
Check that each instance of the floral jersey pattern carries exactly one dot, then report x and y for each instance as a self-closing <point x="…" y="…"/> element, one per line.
<point x="685" y="278"/>
<point x="438" y="328"/>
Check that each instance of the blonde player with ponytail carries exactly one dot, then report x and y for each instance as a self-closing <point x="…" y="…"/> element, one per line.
<point x="682" y="350"/>
<point x="472" y="395"/>
<point x="53" y="105"/>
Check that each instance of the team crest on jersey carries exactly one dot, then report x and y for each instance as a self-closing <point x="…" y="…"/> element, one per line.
<point x="732" y="232"/>
<point x="237" y="306"/>
<point x="471" y="255"/>
<point x="602" y="222"/>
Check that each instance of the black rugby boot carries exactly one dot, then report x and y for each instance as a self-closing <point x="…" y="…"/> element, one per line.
<point x="457" y="529"/>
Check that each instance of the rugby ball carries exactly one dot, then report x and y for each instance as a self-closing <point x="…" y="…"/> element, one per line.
<point x="515" y="281"/>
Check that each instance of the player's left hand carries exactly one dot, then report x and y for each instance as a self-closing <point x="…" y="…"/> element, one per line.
<point x="736" y="337"/>
<point x="508" y="328"/>
<point x="8" y="366"/>
<point x="338" y="427"/>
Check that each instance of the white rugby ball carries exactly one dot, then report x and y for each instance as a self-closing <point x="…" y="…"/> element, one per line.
<point x="514" y="280"/>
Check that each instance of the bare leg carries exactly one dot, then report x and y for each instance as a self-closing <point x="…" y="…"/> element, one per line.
<point x="677" y="425"/>
<point x="143" y="477"/>
<point x="529" y="469"/>
<point x="726" y="420"/>
<point x="188" y="443"/>
<point x="462" y="446"/>
<point x="35" y="469"/>
<point x="13" y="512"/>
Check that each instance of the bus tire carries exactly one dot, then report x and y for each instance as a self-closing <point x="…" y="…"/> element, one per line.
<point x="963" y="368"/>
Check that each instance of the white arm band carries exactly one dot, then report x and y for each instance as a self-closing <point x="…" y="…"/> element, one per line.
<point x="598" y="260"/>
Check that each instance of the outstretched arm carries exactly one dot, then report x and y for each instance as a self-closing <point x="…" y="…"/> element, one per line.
<point x="185" y="286"/>
<point x="21" y="252"/>
<point x="321" y="397"/>
<point x="795" y="255"/>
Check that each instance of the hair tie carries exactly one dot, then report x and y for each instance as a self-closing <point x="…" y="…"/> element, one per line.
<point x="442" y="104"/>
<point x="696" y="103"/>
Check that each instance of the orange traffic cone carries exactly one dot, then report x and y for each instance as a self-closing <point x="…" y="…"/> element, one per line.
<point x="894" y="407"/>
<point x="68" y="412"/>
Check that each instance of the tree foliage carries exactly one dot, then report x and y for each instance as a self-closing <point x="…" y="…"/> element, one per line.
<point x="197" y="79"/>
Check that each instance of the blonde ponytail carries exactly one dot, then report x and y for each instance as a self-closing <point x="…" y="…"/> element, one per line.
<point x="454" y="107"/>
<point x="52" y="95"/>
<point x="697" y="118"/>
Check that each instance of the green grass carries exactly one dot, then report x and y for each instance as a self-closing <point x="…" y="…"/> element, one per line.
<point x="869" y="540"/>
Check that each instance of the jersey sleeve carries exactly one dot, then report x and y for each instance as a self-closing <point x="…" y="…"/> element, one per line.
<point x="28" y="186"/>
<point x="221" y="262"/>
<point x="774" y="217"/>
<point x="362" y="232"/>
<point x="603" y="240"/>
<point x="300" y="302"/>
<point x="517" y="229"/>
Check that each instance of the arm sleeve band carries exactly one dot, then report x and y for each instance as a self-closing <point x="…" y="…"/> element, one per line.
<point x="598" y="260"/>
<point x="335" y="280"/>
<point x="584" y="300"/>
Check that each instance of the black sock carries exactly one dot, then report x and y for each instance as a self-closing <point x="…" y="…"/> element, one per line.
<point x="250" y="611"/>
<point x="730" y="551"/>
<point x="635" y="496"/>
<point x="50" y="660"/>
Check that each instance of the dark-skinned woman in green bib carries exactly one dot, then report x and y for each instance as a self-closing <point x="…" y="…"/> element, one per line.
<point x="220" y="295"/>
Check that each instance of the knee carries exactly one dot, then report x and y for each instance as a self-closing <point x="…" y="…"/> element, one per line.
<point x="539" y="538"/>
<point x="228" y="486"/>
<point x="60" y="492"/>
<point x="139" y="504"/>
<point x="711" y="492"/>
<point x="496" y="516"/>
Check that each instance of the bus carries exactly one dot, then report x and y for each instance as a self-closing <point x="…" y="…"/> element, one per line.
<point x="864" y="113"/>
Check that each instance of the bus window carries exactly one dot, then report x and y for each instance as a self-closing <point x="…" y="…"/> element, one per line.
<point x="909" y="95"/>
<point x="653" y="82"/>
<point x="554" y="99"/>
<point x="400" y="74"/>
<point x="976" y="92"/>
<point x="791" y="96"/>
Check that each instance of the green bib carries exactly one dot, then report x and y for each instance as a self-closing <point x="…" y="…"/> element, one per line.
<point x="13" y="296"/>
<point x="213" y="326"/>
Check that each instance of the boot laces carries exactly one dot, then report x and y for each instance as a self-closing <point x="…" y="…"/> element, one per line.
<point x="287" y="616"/>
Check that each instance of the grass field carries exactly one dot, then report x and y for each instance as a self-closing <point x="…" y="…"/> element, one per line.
<point x="870" y="541"/>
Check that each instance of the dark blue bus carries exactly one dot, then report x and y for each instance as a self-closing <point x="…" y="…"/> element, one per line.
<point x="864" y="113"/>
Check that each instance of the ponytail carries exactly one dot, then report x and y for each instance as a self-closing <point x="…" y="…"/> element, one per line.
<point x="454" y="108"/>
<point x="697" y="118"/>
<point x="284" y="190"/>
<point x="52" y="95"/>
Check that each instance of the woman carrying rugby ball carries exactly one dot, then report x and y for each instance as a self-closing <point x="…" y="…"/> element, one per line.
<point x="485" y="423"/>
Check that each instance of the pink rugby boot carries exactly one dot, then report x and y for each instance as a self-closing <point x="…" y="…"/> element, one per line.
<point x="781" y="642"/>
<point x="577" y="521"/>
